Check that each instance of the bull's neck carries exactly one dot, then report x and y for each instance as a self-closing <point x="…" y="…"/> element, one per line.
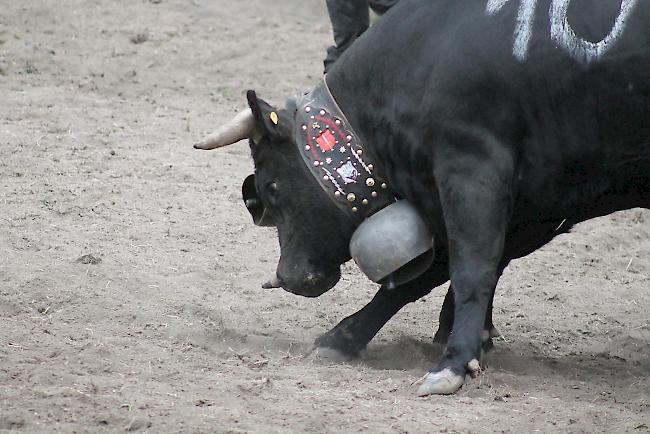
<point x="336" y="156"/>
<point x="357" y="90"/>
<point x="352" y="94"/>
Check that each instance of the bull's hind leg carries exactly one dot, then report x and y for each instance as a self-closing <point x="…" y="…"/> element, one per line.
<point x="446" y="318"/>
<point x="446" y="321"/>
<point x="353" y="333"/>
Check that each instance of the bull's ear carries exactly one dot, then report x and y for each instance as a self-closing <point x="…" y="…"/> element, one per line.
<point x="267" y="118"/>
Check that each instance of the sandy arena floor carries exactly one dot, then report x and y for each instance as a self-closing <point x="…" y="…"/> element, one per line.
<point x="130" y="273"/>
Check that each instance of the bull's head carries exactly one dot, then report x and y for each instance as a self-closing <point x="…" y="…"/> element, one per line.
<point x="313" y="233"/>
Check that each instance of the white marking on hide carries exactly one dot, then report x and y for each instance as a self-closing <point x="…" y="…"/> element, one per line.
<point x="523" y="27"/>
<point x="562" y="32"/>
<point x="494" y="6"/>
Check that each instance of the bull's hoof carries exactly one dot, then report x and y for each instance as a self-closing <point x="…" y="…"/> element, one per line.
<point x="340" y="341"/>
<point x="445" y="382"/>
<point x="474" y="367"/>
<point x="486" y="339"/>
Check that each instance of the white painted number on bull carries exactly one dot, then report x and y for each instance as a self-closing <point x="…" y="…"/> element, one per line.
<point x="524" y="26"/>
<point x="561" y="31"/>
<point x="582" y="50"/>
<point x="494" y="6"/>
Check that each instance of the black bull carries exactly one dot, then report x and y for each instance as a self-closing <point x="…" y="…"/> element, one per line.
<point x="505" y="122"/>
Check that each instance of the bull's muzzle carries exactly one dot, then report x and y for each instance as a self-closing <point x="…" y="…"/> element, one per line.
<point x="391" y="247"/>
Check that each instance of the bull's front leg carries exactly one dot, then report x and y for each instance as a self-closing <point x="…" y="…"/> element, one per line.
<point x="353" y="333"/>
<point x="475" y="195"/>
<point x="446" y="321"/>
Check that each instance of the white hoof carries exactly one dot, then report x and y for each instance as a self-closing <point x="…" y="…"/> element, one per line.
<point x="444" y="382"/>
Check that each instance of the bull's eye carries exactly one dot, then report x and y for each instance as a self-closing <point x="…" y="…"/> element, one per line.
<point x="272" y="188"/>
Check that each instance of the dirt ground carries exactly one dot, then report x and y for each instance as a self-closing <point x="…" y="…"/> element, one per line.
<point x="130" y="273"/>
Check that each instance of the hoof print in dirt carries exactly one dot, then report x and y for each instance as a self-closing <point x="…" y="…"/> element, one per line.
<point x="329" y="355"/>
<point x="89" y="259"/>
<point x="139" y="38"/>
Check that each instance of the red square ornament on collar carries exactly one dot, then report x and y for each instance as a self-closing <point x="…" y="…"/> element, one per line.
<point x="326" y="141"/>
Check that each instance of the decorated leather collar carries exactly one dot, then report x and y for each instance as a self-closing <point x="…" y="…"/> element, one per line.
<point x="335" y="156"/>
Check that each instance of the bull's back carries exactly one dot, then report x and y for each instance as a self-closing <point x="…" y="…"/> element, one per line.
<point x="566" y="84"/>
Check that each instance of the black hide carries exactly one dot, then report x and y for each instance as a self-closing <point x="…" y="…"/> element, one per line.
<point x="501" y="138"/>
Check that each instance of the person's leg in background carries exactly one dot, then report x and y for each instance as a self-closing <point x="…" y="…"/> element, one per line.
<point x="350" y="18"/>
<point x="380" y="7"/>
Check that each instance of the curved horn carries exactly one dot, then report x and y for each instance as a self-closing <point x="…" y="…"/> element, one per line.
<point x="240" y="127"/>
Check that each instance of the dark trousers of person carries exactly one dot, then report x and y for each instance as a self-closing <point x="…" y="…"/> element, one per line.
<point x="350" y="18"/>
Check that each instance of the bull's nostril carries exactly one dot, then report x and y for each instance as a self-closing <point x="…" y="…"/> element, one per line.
<point x="311" y="277"/>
